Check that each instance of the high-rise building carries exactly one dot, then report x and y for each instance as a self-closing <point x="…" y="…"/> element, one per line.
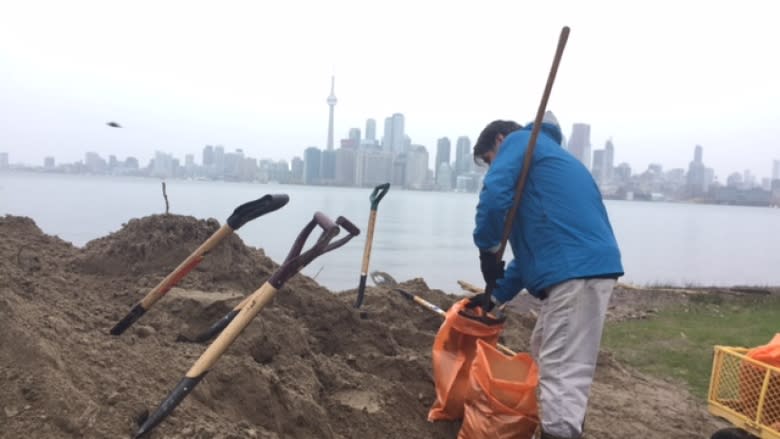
<point x="354" y="136"/>
<point x="208" y="155"/>
<point x="394" y="138"/>
<point x="3" y="160"/>
<point x="371" y="129"/>
<point x="312" y="158"/>
<point x="776" y="170"/>
<point x="444" y="177"/>
<point x="296" y="170"/>
<point x="599" y="169"/>
<point x="623" y="173"/>
<point x="219" y="160"/>
<point x="609" y="151"/>
<point x="734" y="180"/>
<point x="417" y="167"/>
<point x="346" y="160"/>
<point x="328" y="167"/>
<point x="373" y="167"/>
<point x="48" y="163"/>
<point x="749" y="179"/>
<point x="579" y="143"/>
<point x="94" y="163"/>
<point x="332" y="105"/>
<point x="163" y="165"/>
<point x="697" y="177"/>
<point x="399" y="170"/>
<point x="463" y="155"/>
<point x="443" y="148"/>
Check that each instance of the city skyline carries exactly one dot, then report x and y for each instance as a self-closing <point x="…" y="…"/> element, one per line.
<point x="654" y="94"/>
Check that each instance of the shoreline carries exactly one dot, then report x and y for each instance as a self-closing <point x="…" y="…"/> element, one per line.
<point x="274" y="183"/>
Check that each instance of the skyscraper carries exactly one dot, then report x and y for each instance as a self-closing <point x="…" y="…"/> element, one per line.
<point x="3" y="160"/>
<point x="698" y="175"/>
<point x="312" y="157"/>
<point x="354" y="136"/>
<point x="599" y="170"/>
<point x="463" y="159"/>
<point x="219" y="160"/>
<point x="416" y="167"/>
<point x="443" y="148"/>
<point x="373" y="167"/>
<point x="371" y="129"/>
<point x="444" y="177"/>
<point x="609" y="149"/>
<point x="346" y="159"/>
<point x="332" y="104"/>
<point x="776" y="170"/>
<point x="579" y="143"/>
<point x="328" y="167"/>
<point x="208" y="155"/>
<point x="394" y="137"/>
<point x="296" y="170"/>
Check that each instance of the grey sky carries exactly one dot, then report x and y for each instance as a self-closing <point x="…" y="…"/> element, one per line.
<point x="658" y="77"/>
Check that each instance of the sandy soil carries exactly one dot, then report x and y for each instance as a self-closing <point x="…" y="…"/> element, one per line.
<point x="309" y="366"/>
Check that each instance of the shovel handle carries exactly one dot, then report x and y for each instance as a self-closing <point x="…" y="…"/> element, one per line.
<point x="297" y="259"/>
<point x="377" y="195"/>
<point x="257" y="208"/>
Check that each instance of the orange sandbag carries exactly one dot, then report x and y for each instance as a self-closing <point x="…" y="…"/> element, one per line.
<point x="767" y="354"/>
<point x="501" y="403"/>
<point x="752" y="381"/>
<point x="454" y="349"/>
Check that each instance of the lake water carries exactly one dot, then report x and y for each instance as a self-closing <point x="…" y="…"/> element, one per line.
<point x="418" y="234"/>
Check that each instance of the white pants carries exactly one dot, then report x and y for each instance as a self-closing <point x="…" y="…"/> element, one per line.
<point x="565" y="344"/>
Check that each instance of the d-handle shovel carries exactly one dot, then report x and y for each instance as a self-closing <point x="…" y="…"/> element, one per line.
<point x="294" y="262"/>
<point x="376" y="196"/>
<point x="385" y="280"/>
<point x="241" y="215"/>
<point x="220" y="324"/>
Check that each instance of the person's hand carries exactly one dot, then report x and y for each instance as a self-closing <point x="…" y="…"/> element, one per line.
<point x="492" y="269"/>
<point x="482" y="300"/>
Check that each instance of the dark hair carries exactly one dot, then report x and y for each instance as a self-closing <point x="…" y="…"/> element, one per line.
<point x="487" y="138"/>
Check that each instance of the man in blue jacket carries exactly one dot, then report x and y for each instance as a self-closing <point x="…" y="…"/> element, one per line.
<point x="565" y="254"/>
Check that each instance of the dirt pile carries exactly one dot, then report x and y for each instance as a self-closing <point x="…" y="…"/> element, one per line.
<point x="308" y="367"/>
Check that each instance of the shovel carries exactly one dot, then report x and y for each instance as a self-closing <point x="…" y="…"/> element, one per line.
<point x="241" y="215"/>
<point x="385" y="280"/>
<point x="295" y="261"/>
<point x="376" y="196"/>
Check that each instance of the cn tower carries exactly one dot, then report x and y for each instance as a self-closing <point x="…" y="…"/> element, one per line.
<point x="331" y="103"/>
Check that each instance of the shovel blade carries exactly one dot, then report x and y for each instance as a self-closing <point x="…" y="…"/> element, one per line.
<point x="182" y="389"/>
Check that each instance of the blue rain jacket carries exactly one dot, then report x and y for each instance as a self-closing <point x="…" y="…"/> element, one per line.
<point x="561" y="230"/>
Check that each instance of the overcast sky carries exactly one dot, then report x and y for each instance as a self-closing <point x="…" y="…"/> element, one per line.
<point x="658" y="77"/>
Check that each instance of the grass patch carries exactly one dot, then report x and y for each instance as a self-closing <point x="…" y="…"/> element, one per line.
<point x="678" y="343"/>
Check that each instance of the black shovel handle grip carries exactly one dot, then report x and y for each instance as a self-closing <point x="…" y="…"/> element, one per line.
<point x="377" y="195"/>
<point x="257" y="208"/>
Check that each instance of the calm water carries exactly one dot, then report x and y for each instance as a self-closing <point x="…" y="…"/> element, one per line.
<point x="418" y="234"/>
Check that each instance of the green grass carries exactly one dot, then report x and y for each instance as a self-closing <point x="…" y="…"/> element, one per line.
<point x="678" y="343"/>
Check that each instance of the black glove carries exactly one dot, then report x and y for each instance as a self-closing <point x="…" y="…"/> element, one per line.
<point x="482" y="301"/>
<point x="492" y="269"/>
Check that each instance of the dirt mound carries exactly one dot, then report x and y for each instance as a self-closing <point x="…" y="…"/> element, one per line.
<point x="308" y="366"/>
<point x="155" y="245"/>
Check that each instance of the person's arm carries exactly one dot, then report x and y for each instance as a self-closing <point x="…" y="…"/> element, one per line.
<point x="497" y="195"/>
<point x="510" y="285"/>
